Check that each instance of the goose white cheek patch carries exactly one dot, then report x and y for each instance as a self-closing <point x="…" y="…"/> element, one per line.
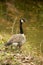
<point x="21" y="20"/>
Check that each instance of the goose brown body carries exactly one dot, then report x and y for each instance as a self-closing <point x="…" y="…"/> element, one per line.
<point x="16" y="39"/>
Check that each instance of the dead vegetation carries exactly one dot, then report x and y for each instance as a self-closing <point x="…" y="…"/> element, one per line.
<point x="32" y="50"/>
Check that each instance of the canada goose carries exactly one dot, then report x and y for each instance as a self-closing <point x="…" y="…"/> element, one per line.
<point x="17" y="39"/>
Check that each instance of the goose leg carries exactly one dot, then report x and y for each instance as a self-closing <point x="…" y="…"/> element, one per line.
<point x="19" y="47"/>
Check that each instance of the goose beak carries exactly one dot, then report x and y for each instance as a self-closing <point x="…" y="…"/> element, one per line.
<point x="24" y="20"/>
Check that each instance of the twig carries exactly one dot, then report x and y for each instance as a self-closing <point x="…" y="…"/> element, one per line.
<point x="13" y="24"/>
<point x="40" y="47"/>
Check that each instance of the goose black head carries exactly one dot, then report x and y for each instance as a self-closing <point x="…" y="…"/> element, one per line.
<point x="22" y="20"/>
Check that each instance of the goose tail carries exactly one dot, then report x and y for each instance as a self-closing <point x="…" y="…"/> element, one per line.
<point x="7" y="44"/>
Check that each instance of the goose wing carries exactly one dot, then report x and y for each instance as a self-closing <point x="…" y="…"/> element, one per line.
<point x="18" y="38"/>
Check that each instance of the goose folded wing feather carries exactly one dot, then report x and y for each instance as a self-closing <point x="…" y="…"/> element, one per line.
<point x="16" y="38"/>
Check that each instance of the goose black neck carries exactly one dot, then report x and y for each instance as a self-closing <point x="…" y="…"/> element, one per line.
<point x="21" y="30"/>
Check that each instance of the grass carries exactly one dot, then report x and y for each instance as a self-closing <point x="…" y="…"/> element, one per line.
<point x="33" y="29"/>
